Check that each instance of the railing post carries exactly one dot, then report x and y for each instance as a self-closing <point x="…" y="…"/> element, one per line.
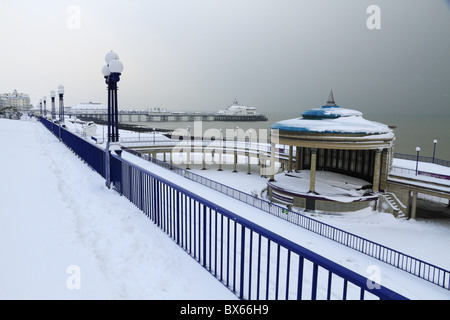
<point x="108" y="166"/>
<point x="242" y="269"/>
<point x="178" y="217"/>
<point x="204" y="236"/>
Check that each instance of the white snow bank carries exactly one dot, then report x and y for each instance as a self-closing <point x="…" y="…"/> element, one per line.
<point x="351" y="124"/>
<point x="55" y="212"/>
<point x="121" y="254"/>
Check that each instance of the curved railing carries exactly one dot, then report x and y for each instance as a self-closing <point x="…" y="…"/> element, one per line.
<point x="422" y="159"/>
<point x="94" y="157"/>
<point x="417" y="267"/>
<point x="251" y="261"/>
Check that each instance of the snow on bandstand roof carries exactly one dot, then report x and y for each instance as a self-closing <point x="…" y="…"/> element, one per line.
<point x="331" y="118"/>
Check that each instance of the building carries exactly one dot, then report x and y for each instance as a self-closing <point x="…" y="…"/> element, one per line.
<point x="350" y="156"/>
<point x="19" y="101"/>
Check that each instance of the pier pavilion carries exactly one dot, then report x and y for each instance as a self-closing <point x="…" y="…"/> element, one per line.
<point x="331" y="139"/>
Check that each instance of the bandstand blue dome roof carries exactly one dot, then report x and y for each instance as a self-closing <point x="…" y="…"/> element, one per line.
<point x="331" y="118"/>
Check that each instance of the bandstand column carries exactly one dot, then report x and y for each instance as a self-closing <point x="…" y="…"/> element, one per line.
<point x="298" y="164"/>
<point x="220" y="160"/>
<point x="291" y="151"/>
<point x="272" y="162"/>
<point x="312" y="178"/>
<point x="188" y="158"/>
<point x="204" y="159"/>
<point x="376" y="171"/>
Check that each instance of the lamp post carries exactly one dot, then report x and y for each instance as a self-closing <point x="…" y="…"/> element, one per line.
<point x="40" y="107"/>
<point x="61" y="103"/>
<point x="417" y="160"/>
<point x="112" y="71"/>
<point x="434" y="148"/>
<point x="52" y="96"/>
<point x="45" y="106"/>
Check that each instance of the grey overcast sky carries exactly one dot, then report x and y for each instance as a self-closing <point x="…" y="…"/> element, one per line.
<point x="276" y="55"/>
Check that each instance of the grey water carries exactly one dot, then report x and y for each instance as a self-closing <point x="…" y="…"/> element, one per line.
<point x="411" y="130"/>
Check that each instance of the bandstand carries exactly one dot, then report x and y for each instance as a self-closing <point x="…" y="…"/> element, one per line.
<point x="338" y="161"/>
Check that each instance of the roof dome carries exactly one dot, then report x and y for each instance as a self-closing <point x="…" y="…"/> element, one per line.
<point x="331" y="118"/>
<point x="329" y="111"/>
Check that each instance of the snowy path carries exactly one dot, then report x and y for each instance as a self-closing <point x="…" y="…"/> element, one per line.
<point x="69" y="218"/>
<point x="55" y="212"/>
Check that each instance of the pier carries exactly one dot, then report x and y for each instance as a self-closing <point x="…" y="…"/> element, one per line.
<point x="144" y="116"/>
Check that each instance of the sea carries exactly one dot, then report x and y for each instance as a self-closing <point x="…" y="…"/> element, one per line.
<point x="411" y="131"/>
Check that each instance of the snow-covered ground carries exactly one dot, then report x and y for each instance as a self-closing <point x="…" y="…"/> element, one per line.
<point x="57" y="213"/>
<point x="60" y="227"/>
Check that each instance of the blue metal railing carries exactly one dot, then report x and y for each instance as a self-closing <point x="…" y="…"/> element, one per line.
<point x="90" y="153"/>
<point x="253" y="262"/>
<point x="417" y="267"/>
<point x="422" y="159"/>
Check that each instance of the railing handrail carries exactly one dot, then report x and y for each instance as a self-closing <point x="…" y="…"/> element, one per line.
<point x="406" y="156"/>
<point x="358" y="243"/>
<point x="135" y="180"/>
<point x="355" y="278"/>
<point x="395" y="258"/>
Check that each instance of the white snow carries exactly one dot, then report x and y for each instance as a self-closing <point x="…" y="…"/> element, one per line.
<point x="383" y="228"/>
<point x="330" y="185"/>
<point x="380" y="227"/>
<point x="56" y="212"/>
<point x="347" y="124"/>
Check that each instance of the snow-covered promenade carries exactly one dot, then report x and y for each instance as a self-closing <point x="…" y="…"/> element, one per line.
<point x="64" y="235"/>
<point x="58" y="214"/>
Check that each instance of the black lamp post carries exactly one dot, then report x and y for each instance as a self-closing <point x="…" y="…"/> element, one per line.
<point x="434" y="149"/>
<point x="45" y="106"/>
<point x="52" y="96"/>
<point x="417" y="160"/>
<point x="112" y="71"/>
<point x="61" y="103"/>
